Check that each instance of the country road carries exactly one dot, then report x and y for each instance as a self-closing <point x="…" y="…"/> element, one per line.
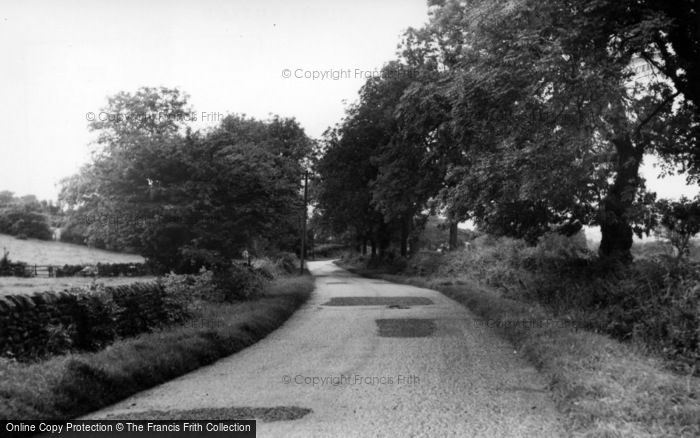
<point x="367" y="358"/>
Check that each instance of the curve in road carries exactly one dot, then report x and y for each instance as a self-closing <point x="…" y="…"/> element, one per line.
<point x="379" y="361"/>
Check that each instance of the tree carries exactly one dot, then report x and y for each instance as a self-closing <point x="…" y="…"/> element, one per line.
<point x="186" y="199"/>
<point x="545" y="118"/>
<point x="392" y="171"/>
<point x="680" y="221"/>
<point x="23" y="217"/>
<point x="344" y="174"/>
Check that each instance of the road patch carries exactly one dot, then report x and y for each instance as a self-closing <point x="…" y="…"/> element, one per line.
<point x="266" y="415"/>
<point x="406" y="328"/>
<point x="379" y="301"/>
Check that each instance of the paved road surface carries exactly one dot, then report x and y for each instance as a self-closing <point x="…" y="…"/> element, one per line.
<point x="460" y="380"/>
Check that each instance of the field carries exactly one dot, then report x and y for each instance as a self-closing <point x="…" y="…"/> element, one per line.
<point x="42" y="252"/>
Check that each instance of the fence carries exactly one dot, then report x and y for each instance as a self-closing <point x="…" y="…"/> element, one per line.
<point x="98" y="270"/>
<point x="41" y="270"/>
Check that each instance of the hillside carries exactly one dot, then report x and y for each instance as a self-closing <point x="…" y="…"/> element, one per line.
<point x="42" y="252"/>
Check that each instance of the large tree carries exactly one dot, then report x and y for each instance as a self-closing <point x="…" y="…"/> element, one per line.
<point x="551" y="128"/>
<point x="187" y="199"/>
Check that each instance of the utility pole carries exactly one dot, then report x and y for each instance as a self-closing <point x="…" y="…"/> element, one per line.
<point x="303" y="232"/>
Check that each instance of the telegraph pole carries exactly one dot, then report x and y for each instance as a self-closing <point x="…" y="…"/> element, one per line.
<point x="303" y="232"/>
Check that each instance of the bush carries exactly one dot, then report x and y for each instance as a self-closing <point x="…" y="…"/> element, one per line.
<point x="105" y="270"/>
<point x="287" y="261"/>
<point x="329" y="250"/>
<point x="240" y="281"/>
<point x="190" y="287"/>
<point x="22" y="222"/>
<point x="69" y="270"/>
<point x="237" y="282"/>
<point x="95" y="316"/>
<point x="122" y="269"/>
<point x="10" y="269"/>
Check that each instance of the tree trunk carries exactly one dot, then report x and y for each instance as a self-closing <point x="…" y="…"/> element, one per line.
<point x="364" y="246"/>
<point x="404" y="238"/>
<point x="615" y="224"/>
<point x="453" y="236"/>
<point x="374" y="248"/>
<point x="383" y="239"/>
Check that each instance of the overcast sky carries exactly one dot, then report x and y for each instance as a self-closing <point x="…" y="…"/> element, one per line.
<point x="61" y="59"/>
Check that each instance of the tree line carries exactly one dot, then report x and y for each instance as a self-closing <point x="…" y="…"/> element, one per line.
<point x="524" y="117"/>
<point x="27" y="217"/>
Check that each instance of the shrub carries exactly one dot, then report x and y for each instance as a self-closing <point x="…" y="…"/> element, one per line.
<point x="59" y="338"/>
<point x="95" y="318"/>
<point x="329" y="250"/>
<point x="191" y="287"/>
<point x="23" y="222"/>
<point x="287" y="261"/>
<point x="105" y="270"/>
<point x="69" y="270"/>
<point x="8" y="268"/>
<point x="239" y="282"/>
<point x="680" y="221"/>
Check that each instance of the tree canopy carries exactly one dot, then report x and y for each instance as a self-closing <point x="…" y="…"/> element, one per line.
<point x="184" y="199"/>
<point x="525" y="117"/>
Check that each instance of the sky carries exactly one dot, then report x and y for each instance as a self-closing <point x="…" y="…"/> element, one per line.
<point x="59" y="60"/>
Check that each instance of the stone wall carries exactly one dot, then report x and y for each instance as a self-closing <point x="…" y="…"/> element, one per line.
<point x="81" y="320"/>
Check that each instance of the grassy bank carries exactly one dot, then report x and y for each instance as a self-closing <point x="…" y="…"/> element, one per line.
<point x="73" y="385"/>
<point x="604" y="387"/>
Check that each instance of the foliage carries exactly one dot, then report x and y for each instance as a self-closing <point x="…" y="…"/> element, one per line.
<point x="105" y="270"/>
<point x="9" y="268"/>
<point x="387" y="177"/>
<point x="234" y="283"/>
<point x="187" y="200"/>
<point x="287" y="262"/>
<point x="240" y="282"/>
<point x="524" y="117"/>
<point x="680" y="221"/>
<point x="24" y="217"/>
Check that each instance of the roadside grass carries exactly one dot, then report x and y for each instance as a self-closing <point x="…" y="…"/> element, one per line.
<point x="604" y="387"/>
<point x="19" y="285"/>
<point x="49" y="252"/>
<point x="77" y="384"/>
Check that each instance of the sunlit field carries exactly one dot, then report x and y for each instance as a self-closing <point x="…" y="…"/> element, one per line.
<point x="42" y="252"/>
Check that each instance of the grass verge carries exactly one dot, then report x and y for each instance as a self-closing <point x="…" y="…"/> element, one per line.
<point x="72" y="385"/>
<point x="604" y="387"/>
